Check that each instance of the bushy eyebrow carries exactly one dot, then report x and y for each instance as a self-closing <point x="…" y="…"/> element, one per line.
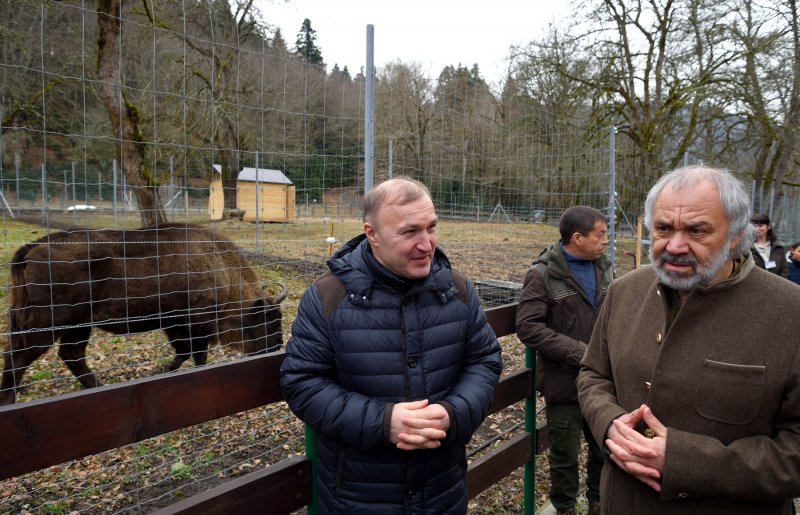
<point x="407" y="226"/>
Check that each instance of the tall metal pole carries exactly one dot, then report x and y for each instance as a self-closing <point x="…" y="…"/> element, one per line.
<point x="369" y="112"/>
<point x="612" y="194"/>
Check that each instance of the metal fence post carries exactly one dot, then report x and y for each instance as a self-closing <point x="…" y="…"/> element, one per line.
<point x="311" y="454"/>
<point x="612" y="196"/>
<point x="529" y="486"/>
<point x="369" y="112"/>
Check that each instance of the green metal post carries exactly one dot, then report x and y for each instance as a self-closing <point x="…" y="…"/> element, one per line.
<point x="311" y="454"/>
<point x="529" y="500"/>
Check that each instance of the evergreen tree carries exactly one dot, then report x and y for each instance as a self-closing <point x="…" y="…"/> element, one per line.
<point x="278" y="43"/>
<point x="306" y="45"/>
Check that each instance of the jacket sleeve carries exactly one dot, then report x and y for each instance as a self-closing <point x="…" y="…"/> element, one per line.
<point x="758" y="468"/>
<point x="308" y="382"/>
<point x="532" y="325"/>
<point x="597" y="394"/>
<point x="482" y="364"/>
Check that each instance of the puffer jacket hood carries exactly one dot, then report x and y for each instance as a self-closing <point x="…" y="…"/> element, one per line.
<point x="356" y="267"/>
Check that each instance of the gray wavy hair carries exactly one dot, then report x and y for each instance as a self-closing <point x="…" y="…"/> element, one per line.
<point x="732" y="196"/>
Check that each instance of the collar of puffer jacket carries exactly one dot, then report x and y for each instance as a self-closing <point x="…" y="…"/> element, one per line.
<point x="356" y="266"/>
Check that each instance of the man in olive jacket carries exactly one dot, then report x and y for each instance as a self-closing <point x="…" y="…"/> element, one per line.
<point x="558" y="306"/>
<point x="692" y="376"/>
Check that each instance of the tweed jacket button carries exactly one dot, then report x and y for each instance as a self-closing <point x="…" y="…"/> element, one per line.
<point x="658" y="338"/>
<point x="683" y="495"/>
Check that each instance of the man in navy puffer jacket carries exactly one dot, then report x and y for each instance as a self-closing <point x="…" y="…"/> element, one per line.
<point x="392" y="363"/>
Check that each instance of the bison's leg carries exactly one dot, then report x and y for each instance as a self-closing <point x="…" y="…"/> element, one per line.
<point x="22" y="352"/>
<point x="186" y="346"/>
<point x="72" y="351"/>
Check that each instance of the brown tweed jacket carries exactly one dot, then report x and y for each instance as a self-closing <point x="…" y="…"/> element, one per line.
<point x="725" y="380"/>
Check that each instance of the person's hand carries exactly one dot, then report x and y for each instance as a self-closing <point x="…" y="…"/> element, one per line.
<point x="418" y="425"/>
<point x="639" y="455"/>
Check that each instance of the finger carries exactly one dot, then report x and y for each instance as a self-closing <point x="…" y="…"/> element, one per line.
<point x="653" y="423"/>
<point x="629" y="451"/>
<point x="652" y="483"/>
<point x="415" y="405"/>
<point x="619" y="451"/>
<point x="408" y="442"/>
<point x="426" y="434"/>
<point x="423" y="423"/>
<point x="632" y="418"/>
<point x="634" y="442"/>
<point x="646" y="475"/>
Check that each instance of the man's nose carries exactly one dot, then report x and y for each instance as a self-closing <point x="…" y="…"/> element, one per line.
<point x="677" y="244"/>
<point x="425" y="242"/>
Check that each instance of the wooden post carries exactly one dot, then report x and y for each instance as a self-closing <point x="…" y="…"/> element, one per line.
<point x="638" y="261"/>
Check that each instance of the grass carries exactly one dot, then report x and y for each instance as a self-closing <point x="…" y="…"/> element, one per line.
<point x="158" y="471"/>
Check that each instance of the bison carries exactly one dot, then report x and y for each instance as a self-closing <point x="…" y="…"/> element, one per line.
<point x="185" y="280"/>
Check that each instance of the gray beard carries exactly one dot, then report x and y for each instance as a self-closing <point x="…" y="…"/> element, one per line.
<point x="703" y="274"/>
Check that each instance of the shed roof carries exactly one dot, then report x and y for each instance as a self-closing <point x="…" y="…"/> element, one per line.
<point x="264" y="175"/>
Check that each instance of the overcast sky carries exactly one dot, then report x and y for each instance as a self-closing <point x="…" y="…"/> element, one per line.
<point x="434" y="33"/>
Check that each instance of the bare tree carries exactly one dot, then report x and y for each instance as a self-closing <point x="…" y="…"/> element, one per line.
<point x="653" y="63"/>
<point x="406" y="114"/>
<point x="769" y="93"/>
<point x="123" y="114"/>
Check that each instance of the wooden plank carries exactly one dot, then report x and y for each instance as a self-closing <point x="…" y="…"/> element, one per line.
<point x="512" y="388"/>
<point x="45" y="432"/>
<point x="281" y="488"/>
<point x="503" y="319"/>
<point x="488" y="470"/>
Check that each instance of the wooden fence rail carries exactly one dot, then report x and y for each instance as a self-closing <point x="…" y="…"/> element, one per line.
<point x="46" y="432"/>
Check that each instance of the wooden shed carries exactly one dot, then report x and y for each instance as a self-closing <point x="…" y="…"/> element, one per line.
<point x="276" y="202"/>
<point x="216" y="199"/>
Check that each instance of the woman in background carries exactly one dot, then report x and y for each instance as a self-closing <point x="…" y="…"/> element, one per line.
<point x="767" y="252"/>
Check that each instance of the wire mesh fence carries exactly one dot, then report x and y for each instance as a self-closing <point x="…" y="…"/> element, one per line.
<point x="201" y="93"/>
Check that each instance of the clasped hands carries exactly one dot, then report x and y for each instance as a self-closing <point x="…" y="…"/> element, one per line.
<point x="418" y="425"/>
<point x="639" y="455"/>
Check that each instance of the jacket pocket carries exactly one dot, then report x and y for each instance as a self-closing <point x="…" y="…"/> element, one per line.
<point x="730" y="393"/>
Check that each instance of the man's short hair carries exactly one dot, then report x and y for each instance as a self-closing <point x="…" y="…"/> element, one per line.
<point x="732" y="196"/>
<point x="580" y="219"/>
<point x="400" y="191"/>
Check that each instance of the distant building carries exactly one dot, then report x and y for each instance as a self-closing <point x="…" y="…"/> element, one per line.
<point x="275" y="198"/>
<point x="276" y="202"/>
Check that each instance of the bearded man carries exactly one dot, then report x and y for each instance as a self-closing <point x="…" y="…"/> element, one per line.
<point x="691" y="381"/>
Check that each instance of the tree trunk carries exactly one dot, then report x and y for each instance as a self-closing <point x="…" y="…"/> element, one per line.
<point x="123" y="114"/>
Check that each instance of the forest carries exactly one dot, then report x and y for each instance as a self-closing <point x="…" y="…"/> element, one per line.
<point x="170" y="88"/>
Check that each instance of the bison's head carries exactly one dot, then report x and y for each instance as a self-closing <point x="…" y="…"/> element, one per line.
<point x="262" y="324"/>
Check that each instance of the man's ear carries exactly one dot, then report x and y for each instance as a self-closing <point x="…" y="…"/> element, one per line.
<point x="575" y="237"/>
<point x="369" y="230"/>
<point x="735" y="242"/>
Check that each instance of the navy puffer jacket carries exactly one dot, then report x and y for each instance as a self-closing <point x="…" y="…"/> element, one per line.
<point x="384" y="340"/>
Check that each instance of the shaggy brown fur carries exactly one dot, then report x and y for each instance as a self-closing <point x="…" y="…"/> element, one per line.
<point x="186" y="280"/>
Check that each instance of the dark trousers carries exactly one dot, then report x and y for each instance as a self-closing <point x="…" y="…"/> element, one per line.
<point x="565" y="424"/>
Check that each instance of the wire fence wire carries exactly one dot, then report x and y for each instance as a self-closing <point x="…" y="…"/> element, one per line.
<point x="211" y="91"/>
